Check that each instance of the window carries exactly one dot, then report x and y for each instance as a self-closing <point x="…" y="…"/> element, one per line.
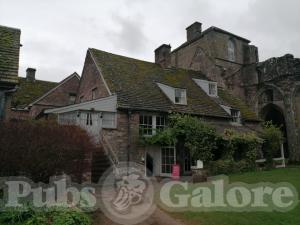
<point x="72" y="99"/>
<point x="89" y="119"/>
<point x="109" y="120"/>
<point x="231" y="50"/>
<point x="146" y="125"/>
<point x="212" y="89"/>
<point x="81" y="99"/>
<point x="180" y="96"/>
<point x="168" y="159"/>
<point x="235" y="114"/>
<point x="149" y="124"/>
<point x="94" y="93"/>
<point x="160" y="123"/>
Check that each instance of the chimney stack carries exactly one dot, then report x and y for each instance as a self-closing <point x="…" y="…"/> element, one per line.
<point x="163" y="56"/>
<point x="194" y="31"/>
<point x="30" y="74"/>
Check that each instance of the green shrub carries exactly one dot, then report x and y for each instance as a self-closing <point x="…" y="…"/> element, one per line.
<point x="193" y="133"/>
<point x="273" y="138"/>
<point x="71" y="217"/>
<point x="45" y="217"/>
<point x="229" y="167"/>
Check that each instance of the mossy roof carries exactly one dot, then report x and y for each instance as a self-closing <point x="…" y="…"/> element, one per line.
<point x="9" y="54"/>
<point x="135" y="83"/>
<point x="28" y="91"/>
<point x="237" y="103"/>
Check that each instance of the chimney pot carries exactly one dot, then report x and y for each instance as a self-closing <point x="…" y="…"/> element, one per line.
<point x="30" y="74"/>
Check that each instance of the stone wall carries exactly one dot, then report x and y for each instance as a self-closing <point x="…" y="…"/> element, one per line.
<point x="209" y="54"/>
<point x="279" y="77"/>
<point x="120" y="139"/>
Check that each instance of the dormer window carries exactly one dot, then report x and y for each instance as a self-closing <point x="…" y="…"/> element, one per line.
<point x="236" y="115"/>
<point x="210" y="87"/>
<point x="176" y="95"/>
<point x="180" y="96"/>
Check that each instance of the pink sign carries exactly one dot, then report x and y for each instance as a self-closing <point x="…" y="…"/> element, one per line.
<point x="176" y="171"/>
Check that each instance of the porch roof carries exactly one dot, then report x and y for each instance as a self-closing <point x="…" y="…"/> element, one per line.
<point x="108" y="104"/>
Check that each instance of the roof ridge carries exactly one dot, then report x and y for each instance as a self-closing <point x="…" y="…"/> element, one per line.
<point x="12" y="28"/>
<point x="126" y="57"/>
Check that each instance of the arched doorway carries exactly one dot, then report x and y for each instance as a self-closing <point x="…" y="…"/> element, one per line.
<point x="272" y="112"/>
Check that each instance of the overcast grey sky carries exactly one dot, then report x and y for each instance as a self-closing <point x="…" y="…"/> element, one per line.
<point x="57" y="33"/>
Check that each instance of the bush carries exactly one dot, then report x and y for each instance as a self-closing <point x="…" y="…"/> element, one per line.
<point x="273" y="138"/>
<point x="243" y="146"/>
<point x="229" y="167"/>
<point x="191" y="132"/>
<point x="40" y="150"/>
<point x="45" y="217"/>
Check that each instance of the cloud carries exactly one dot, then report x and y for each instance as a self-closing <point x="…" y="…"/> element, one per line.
<point x="56" y="34"/>
<point x="128" y="33"/>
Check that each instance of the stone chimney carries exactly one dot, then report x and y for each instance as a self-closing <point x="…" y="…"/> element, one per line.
<point x="163" y="56"/>
<point x="30" y="74"/>
<point x="193" y="31"/>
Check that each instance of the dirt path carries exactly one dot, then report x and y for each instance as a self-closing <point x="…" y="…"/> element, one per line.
<point x="159" y="217"/>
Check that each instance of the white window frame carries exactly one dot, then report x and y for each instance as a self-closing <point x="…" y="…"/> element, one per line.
<point x="236" y="116"/>
<point x="205" y="86"/>
<point x="182" y="97"/>
<point x="163" y="173"/>
<point x="170" y="93"/>
<point x="212" y="89"/>
<point x="154" y="127"/>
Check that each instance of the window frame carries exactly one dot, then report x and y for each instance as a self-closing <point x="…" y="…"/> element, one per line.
<point x="212" y="91"/>
<point x="113" y="125"/>
<point x="72" y="95"/>
<point x="181" y="98"/>
<point x="94" y="93"/>
<point x="231" y="48"/>
<point x="158" y="123"/>
<point x="235" y="115"/>
<point x="164" y="163"/>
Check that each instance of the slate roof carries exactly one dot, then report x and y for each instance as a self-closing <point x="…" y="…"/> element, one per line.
<point x="226" y="98"/>
<point x="28" y="91"/>
<point x="9" y="54"/>
<point x="135" y="83"/>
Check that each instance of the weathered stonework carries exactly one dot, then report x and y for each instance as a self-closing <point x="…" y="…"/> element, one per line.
<point x="271" y="88"/>
<point x="277" y="89"/>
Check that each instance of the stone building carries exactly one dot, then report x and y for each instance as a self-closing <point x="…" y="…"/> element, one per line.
<point x="33" y="96"/>
<point x="270" y="88"/>
<point x="121" y="99"/>
<point x="274" y="93"/>
<point x="9" y="66"/>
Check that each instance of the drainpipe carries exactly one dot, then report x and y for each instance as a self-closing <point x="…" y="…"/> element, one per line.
<point x="129" y="137"/>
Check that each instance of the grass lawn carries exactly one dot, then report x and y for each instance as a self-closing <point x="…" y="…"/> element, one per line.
<point x="291" y="175"/>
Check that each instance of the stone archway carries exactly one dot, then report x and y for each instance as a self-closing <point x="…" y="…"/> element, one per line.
<point x="273" y="113"/>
